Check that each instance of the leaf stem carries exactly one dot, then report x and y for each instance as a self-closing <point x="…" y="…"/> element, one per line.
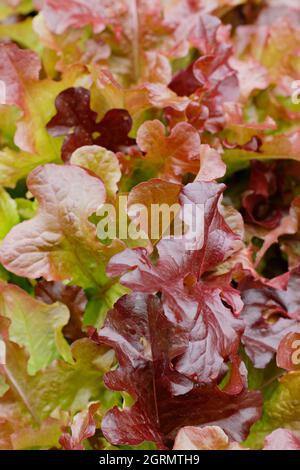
<point x="134" y="14"/>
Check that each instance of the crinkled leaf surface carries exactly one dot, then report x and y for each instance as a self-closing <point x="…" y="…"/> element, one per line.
<point x="146" y="343"/>
<point x="83" y="427"/>
<point x="36" y="326"/>
<point x="103" y="163"/>
<point x="270" y="314"/>
<point x="23" y="88"/>
<point x="207" y="308"/>
<point x="154" y="100"/>
<point x="59" y="242"/>
<point x="172" y="155"/>
<point x="25" y="408"/>
<point x="78" y="121"/>
<point x="207" y="438"/>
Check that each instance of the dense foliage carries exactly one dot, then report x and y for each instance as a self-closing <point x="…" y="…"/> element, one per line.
<point x="128" y="342"/>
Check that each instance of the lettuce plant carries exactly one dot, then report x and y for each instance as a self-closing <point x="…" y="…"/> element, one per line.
<point x="149" y="340"/>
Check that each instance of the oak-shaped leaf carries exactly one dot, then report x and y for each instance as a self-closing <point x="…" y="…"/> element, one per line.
<point x="103" y="163"/>
<point x="60" y="242"/>
<point x="204" y="305"/>
<point x="174" y="155"/>
<point x="146" y="344"/>
<point x="252" y="76"/>
<point x="152" y="194"/>
<point x="19" y="71"/>
<point x="212" y="166"/>
<point x="210" y="79"/>
<point x="79" y="123"/>
<point x="273" y="43"/>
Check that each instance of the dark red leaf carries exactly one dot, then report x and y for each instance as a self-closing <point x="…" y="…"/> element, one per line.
<point x="262" y="199"/>
<point x="206" y="307"/>
<point x="210" y="78"/>
<point x="270" y="314"/>
<point x="146" y="344"/>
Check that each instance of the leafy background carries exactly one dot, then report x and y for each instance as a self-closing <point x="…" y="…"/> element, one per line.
<point x="113" y="344"/>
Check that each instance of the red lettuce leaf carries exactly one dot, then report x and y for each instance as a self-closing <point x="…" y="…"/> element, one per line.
<point x="82" y="428"/>
<point x="146" y="343"/>
<point x="269" y="313"/>
<point x="17" y="65"/>
<point x="261" y="201"/>
<point x="210" y="79"/>
<point x="174" y="155"/>
<point x="78" y="122"/>
<point x="205" y="306"/>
